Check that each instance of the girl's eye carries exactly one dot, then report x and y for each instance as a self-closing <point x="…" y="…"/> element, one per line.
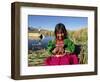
<point x="60" y="34"/>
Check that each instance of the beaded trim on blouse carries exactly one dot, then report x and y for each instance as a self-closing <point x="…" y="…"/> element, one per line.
<point x="59" y="43"/>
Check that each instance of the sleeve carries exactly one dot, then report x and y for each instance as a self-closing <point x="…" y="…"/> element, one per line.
<point x="69" y="45"/>
<point x="51" y="46"/>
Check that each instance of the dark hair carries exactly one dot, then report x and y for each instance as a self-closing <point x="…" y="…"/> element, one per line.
<point x="61" y="27"/>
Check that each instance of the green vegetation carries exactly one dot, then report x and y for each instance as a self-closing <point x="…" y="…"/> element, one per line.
<point x="79" y="37"/>
<point x="37" y="58"/>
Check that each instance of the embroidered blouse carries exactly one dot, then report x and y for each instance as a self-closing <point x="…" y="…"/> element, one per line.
<point x="68" y="45"/>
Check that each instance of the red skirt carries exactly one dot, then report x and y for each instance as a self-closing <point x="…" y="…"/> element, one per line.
<point x="66" y="59"/>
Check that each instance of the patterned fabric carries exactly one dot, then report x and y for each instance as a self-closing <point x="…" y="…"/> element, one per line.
<point x="59" y="43"/>
<point x="66" y="59"/>
<point x="68" y="45"/>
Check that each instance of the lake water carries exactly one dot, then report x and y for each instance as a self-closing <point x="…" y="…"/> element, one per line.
<point x="39" y="44"/>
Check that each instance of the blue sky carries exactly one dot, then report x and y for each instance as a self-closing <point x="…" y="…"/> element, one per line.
<point x="49" y="22"/>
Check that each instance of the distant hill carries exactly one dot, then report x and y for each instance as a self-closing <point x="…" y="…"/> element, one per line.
<point x="41" y="31"/>
<point x="80" y="35"/>
<point x="30" y="29"/>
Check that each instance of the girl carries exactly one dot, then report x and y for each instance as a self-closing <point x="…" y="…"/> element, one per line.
<point x="61" y="48"/>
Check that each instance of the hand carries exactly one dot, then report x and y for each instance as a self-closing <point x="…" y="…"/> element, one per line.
<point x="61" y="50"/>
<point x="55" y="50"/>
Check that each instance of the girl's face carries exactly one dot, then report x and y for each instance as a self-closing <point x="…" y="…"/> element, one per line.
<point x="60" y="35"/>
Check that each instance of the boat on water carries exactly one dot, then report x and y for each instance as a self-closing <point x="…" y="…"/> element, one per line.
<point x="35" y="36"/>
